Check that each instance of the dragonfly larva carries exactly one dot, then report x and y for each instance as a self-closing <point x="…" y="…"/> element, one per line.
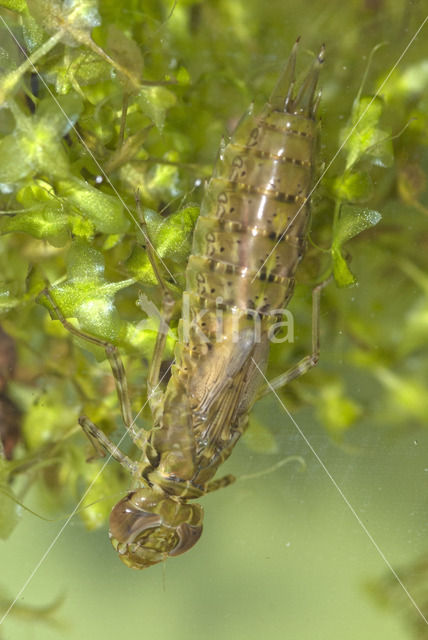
<point x="248" y="241"/>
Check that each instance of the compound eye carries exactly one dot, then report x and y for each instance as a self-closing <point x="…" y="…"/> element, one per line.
<point x="188" y="536"/>
<point x="127" y="522"/>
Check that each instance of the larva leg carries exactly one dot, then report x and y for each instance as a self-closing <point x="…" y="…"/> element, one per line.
<point x="116" y="365"/>
<point x="306" y="363"/>
<point x="151" y="253"/>
<point x="97" y="437"/>
<point x="225" y="481"/>
<point x="154" y="393"/>
<point x="274" y="468"/>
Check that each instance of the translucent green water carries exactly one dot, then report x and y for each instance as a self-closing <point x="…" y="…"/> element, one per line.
<point x="282" y="556"/>
<point x="331" y="548"/>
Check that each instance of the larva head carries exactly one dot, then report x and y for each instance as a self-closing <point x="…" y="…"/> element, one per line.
<point x="147" y="526"/>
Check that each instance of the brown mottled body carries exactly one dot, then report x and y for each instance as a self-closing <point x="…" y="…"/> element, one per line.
<point x="254" y="218"/>
<point x="248" y="241"/>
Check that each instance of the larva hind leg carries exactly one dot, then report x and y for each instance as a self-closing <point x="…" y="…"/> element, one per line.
<point x="117" y="368"/>
<point x="96" y="437"/>
<point x="151" y="251"/>
<point x="222" y="482"/>
<point x="309" y="361"/>
<point x="154" y="392"/>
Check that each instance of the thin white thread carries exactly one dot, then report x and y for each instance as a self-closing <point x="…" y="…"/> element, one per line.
<point x="87" y="149"/>
<point x="343" y="144"/>
<point x="343" y="496"/>
<point x="43" y="558"/>
<point x="48" y="550"/>
<point x="61" y="531"/>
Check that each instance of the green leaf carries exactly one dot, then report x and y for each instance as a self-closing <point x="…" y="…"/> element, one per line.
<point x="61" y="114"/>
<point x="337" y="412"/>
<point x="47" y="224"/>
<point x="84" y="68"/>
<point x="48" y="419"/>
<point x="362" y="136"/>
<point x="7" y="301"/>
<point x="88" y="296"/>
<point x="124" y="50"/>
<point x="352" y="221"/>
<point x="342" y="273"/>
<point x="171" y="238"/>
<point x="183" y="77"/>
<point x="75" y="18"/>
<point x="14" y="5"/>
<point x="104" y="211"/>
<point x="154" y="103"/>
<point x="33" y="32"/>
<point x="406" y="395"/>
<point x="153" y="222"/>
<point x="139" y="265"/>
<point x="36" y="144"/>
<point x="81" y="228"/>
<point x="353" y="186"/>
<point x="46" y="216"/>
<point x="412" y="82"/>
<point x="16" y="163"/>
<point x="174" y="235"/>
<point x="44" y="219"/>
<point x="382" y="150"/>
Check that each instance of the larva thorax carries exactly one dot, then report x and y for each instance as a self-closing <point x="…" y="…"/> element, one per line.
<point x="254" y="217"/>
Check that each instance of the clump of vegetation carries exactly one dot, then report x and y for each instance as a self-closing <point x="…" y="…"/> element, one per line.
<point x="100" y="102"/>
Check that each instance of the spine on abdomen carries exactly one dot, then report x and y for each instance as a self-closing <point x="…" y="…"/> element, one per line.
<point x="254" y="219"/>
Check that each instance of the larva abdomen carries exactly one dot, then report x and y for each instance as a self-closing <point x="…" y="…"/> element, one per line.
<point x="254" y="218"/>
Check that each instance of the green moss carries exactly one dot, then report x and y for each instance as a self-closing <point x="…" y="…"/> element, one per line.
<point x="142" y="105"/>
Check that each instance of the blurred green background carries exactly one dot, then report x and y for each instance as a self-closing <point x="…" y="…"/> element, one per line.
<point x="283" y="553"/>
